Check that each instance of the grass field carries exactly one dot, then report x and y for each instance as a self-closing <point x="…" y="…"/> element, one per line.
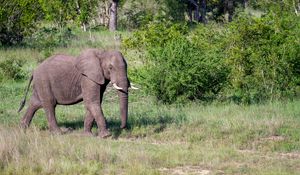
<point x="161" y="139"/>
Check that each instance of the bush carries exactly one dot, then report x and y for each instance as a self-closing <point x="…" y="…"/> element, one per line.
<point x="46" y="39"/>
<point x="12" y="69"/>
<point x="176" y="68"/>
<point x="183" y="72"/>
<point x="135" y="18"/>
<point x="250" y="60"/>
<point x="50" y="37"/>
<point x="263" y="57"/>
<point x="17" y="20"/>
<point x="154" y="35"/>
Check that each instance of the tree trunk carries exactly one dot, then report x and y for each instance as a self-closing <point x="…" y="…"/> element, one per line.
<point x="196" y="16"/>
<point x="228" y="10"/>
<point x="245" y="3"/>
<point x="113" y="12"/>
<point x="83" y="25"/>
<point x="203" y="11"/>
<point x="190" y="12"/>
<point x="297" y="6"/>
<point x="193" y="5"/>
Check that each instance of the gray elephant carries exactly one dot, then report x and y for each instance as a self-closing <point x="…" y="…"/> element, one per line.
<point x="67" y="80"/>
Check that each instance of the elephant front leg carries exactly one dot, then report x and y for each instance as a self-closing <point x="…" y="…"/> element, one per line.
<point x="89" y="119"/>
<point x="91" y="98"/>
<point x="88" y="123"/>
<point x="97" y="114"/>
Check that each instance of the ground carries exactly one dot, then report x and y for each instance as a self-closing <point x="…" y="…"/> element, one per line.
<point x="161" y="139"/>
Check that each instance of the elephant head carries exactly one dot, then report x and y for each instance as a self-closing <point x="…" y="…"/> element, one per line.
<point x="107" y="66"/>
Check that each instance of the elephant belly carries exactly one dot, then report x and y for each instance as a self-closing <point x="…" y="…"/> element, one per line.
<point x="64" y="99"/>
<point x="67" y="91"/>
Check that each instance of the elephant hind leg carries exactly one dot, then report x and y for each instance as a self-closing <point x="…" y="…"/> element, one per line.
<point x="34" y="105"/>
<point x="52" y="122"/>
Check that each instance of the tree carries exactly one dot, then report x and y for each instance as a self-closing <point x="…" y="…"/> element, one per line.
<point x="17" y="19"/>
<point x="85" y="12"/>
<point x="113" y="13"/>
<point x="245" y="3"/>
<point x="228" y="10"/>
<point x="198" y="8"/>
<point x="58" y="11"/>
<point x="193" y="6"/>
<point x="103" y="12"/>
<point x="203" y="11"/>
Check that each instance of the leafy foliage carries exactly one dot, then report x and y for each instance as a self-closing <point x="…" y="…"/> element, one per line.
<point x="177" y="67"/>
<point x="249" y="60"/>
<point x="155" y="34"/>
<point x="135" y="14"/>
<point x="12" y="69"/>
<point x="263" y="55"/>
<point x="50" y="37"/>
<point x="46" y="39"/>
<point x="57" y="11"/>
<point x="17" y="19"/>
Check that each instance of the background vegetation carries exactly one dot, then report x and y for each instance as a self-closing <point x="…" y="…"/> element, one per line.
<point x="219" y="86"/>
<point x="242" y="51"/>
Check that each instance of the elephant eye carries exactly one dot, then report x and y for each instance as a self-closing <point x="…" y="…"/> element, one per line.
<point x="110" y="67"/>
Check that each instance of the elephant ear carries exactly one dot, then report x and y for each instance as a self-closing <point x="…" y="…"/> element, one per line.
<point x="89" y="65"/>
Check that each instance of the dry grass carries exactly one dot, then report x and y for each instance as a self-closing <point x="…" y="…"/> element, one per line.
<point x="210" y="140"/>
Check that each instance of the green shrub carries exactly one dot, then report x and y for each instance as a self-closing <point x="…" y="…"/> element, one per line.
<point x="263" y="57"/>
<point x="183" y="72"/>
<point x="135" y="18"/>
<point x="154" y="35"/>
<point x="177" y="67"/>
<point x="18" y="20"/>
<point x="46" y="39"/>
<point x="12" y="69"/>
<point x="250" y="60"/>
<point x="50" y="37"/>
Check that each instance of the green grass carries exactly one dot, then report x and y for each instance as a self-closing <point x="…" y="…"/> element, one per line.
<point x="230" y="139"/>
<point x="161" y="139"/>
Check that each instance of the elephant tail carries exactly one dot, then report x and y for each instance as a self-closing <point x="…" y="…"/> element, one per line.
<point x="22" y="104"/>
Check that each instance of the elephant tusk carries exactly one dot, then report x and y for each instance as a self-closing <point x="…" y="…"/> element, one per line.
<point x="135" y="88"/>
<point x="116" y="86"/>
<point x="132" y="87"/>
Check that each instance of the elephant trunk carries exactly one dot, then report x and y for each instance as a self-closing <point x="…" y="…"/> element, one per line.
<point x="123" y="96"/>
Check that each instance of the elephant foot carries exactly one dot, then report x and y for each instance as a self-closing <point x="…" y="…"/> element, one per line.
<point x="87" y="134"/>
<point x="65" y="130"/>
<point x="123" y="126"/>
<point x="23" y="126"/>
<point x="104" y="134"/>
<point x="60" y="131"/>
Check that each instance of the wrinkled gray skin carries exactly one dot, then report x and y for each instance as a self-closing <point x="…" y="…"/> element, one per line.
<point x="66" y="80"/>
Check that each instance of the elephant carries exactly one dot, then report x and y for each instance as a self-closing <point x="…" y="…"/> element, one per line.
<point x="67" y="80"/>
